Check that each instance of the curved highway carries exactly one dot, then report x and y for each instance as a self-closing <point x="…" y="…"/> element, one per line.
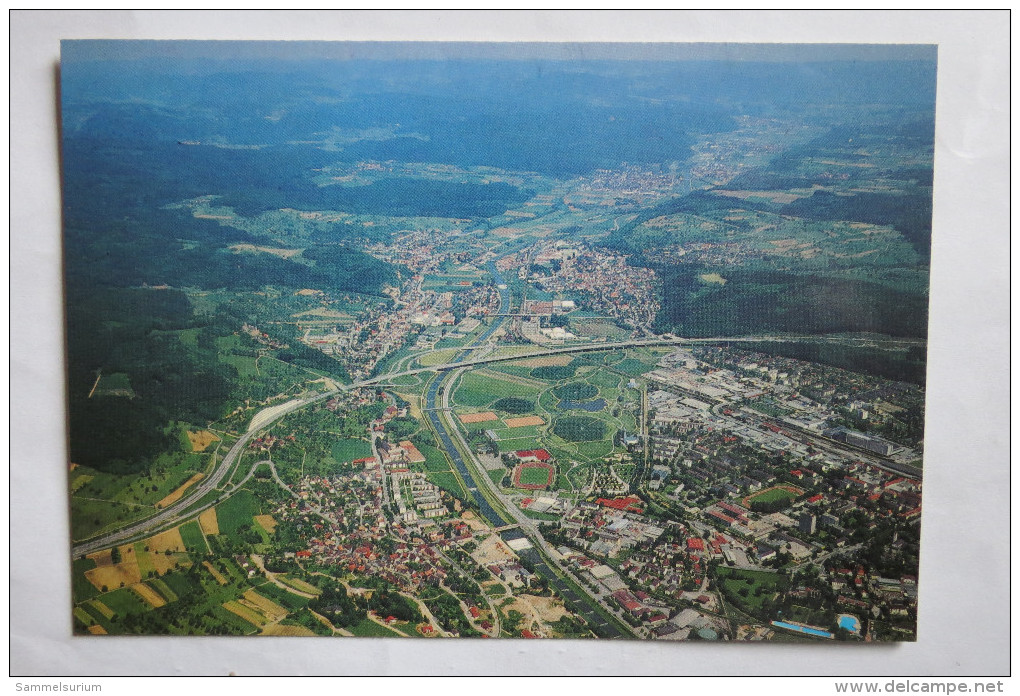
<point x="164" y="517"/>
<point x="186" y="506"/>
<point x="170" y="515"/>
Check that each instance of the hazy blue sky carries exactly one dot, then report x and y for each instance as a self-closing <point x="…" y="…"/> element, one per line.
<point x="103" y="49"/>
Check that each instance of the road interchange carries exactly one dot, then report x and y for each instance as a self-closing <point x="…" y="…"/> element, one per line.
<point x="185" y="508"/>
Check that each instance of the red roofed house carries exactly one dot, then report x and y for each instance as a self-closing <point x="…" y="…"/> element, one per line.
<point x="734" y="510"/>
<point x="719" y="516"/>
<point x="630" y="503"/>
<point x="695" y="544"/>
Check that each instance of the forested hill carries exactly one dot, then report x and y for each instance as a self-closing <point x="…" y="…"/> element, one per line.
<point x="832" y="235"/>
<point x="118" y="231"/>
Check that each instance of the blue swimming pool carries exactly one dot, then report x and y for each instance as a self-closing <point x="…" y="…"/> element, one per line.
<point x="851" y="623"/>
<point x="803" y="629"/>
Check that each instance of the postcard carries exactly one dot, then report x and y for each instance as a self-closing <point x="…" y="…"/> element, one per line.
<point x="500" y="340"/>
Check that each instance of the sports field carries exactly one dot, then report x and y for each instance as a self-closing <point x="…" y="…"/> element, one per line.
<point x="770" y="495"/>
<point x="521" y="422"/>
<point x="534" y="475"/>
<point x="478" y="417"/>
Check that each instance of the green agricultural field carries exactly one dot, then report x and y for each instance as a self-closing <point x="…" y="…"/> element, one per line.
<point x="579" y="428"/>
<point x="231" y="620"/>
<point x="474" y="390"/>
<point x="189" y="337"/>
<point x="448" y="481"/>
<point x="108" y="499"/>
<point x="298" y="584"/>
<point x="98" y="609"/>
<point x="194" y="540"/>
<point x="450" y="342"/>
<point x="236" y="511"/>
<point x="89" y="517"/>
<point x="97" y="614"/>
<point x="232" y="569"/>
<point x="124" y="601"/>
<point x="80" y="586"/>
<point x="83" y="616"/>
<point x="576" y="391"/>
<point x="554" y="373"/>
<point x="286" y="599"/>
<point x="168" y="472"/>
<point x="178" y="582"/>
<point x="511" y="387"/>
<point x="435" y="460"/>
<point x="162" y="588"/>
<point x="232" y="350"/>
<point x="145" y="565"/>
<point x="345" y="451"/>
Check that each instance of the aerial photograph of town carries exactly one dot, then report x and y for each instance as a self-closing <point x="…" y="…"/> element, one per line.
<point x="496" y="340"/>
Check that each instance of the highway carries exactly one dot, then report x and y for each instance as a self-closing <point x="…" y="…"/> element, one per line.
<point x="175" y="513"/>
<point x="437" y="402"/>
<point x="459" y="361"/>
<point x="594" y="609"/>
<point x="261" y="420"/>
<point x="582" y="604"/>
<point x="184" y="507"/>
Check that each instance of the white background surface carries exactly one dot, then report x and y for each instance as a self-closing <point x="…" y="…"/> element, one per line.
<point x="964" y="576"/>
